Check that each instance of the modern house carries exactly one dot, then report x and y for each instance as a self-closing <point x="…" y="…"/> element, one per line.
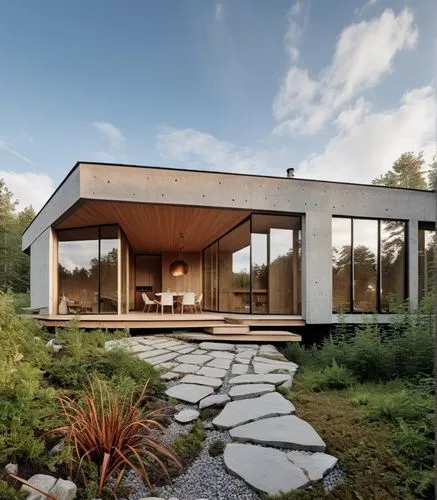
<point x="261" y="250"/>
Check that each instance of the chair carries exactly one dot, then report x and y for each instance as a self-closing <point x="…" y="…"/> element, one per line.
<point x="148" y="303"/>
<point x="166" y="301"/>
<point x="188" y="300"/>
<point x="198" y="302"/>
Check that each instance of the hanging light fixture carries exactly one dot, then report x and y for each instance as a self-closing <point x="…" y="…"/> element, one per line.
<point x="179" y="267"/>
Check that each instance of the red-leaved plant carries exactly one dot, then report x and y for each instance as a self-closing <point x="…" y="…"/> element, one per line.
<point x="114" y="435"/>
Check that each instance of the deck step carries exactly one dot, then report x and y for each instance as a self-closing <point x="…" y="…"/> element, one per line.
<point x="267" y="321"/>
<point x="228" y="329"/>
<point x="264" y="336"/>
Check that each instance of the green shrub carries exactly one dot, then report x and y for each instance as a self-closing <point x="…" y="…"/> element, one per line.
<point x="21" y="300"/>
<point x="9" y="493"/>
<point x="217" y="448"/>
<point x="332" y="377"/>
<point x="187" y="447"/>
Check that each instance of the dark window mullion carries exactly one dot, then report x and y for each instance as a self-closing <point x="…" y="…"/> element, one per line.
<point x="250" y="265"/>
<point x="352" y="272"/>
<point x="98" y="268"/>
<point x="378" y="270"/>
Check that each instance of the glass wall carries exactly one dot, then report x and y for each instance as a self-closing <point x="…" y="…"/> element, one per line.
<point x="427" y="260"/>
<point x="88" y="270"/>
<point x="368" y="264"/>
<point x="234" y="270"/>
<point x="210" y="278"/>
<point x="255" y="268"/>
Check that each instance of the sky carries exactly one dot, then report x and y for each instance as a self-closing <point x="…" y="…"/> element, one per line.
<point x="337" y="90"/>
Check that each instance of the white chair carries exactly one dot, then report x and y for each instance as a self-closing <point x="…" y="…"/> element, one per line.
<point x="188" y="300"/>
<point x="166" y="301"/>
<point x="148" y="303"/>
<point x="198" y="302"/>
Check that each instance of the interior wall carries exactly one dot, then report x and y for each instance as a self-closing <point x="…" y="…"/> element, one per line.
<point x="191" y="282"/>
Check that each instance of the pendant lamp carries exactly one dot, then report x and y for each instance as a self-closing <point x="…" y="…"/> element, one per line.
<point x="179" y="267"/>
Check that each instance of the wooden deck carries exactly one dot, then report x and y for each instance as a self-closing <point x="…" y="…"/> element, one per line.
<point x="204" y="320"/>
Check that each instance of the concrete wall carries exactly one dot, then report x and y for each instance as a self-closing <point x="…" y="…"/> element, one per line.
<point x="41" y="272"/>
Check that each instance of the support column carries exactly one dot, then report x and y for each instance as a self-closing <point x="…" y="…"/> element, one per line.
<point x="317" y="268"/>
<point x="413" y="262"/>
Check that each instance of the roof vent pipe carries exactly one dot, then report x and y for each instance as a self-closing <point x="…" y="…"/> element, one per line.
<point x="290" y="172"/>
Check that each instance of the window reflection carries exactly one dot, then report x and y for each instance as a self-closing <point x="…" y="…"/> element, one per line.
<point x="210" y="278"/>
<point x="364" y="258"/>
<point x="427" y="260"/>
<point x="341" y="264"/>
<point x="392" y="263"/>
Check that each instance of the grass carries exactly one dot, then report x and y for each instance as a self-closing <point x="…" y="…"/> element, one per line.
<point x="187" y="447"/>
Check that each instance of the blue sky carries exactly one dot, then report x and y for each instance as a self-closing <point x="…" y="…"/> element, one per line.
<point x="250" y="86"/>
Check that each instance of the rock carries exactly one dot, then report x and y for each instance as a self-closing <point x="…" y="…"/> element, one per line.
<point x="57" y="448"/>
<point x="64" y="490"/>
<point x="216" y="346"/>
<point x="169" y="343"/>
<point x="208" y="426"/>
<point x="245" y="391"/>
<point x="316" y="465"/>
<point x="248" y="354"/>
<point x="276" y="362"/>
<point x="168" y="365"/>
<point x="285" y="432"/>
<point x="242" y="360"/>
<point x="239" y="369"/>
<point x="185" y="350"/>
<point x="214" y="400"/>
<point x="171" y="376"/>
<point x="185" y="368"/>
<point x="212" y="372"/>
<point x="245" y="347"/>
<point x="11" y="468"/>
<point x="193" y="359"/>
<point x="199" y="351"/>
<point x="198" y="379"/>
<point x="55" y="345"/>
<point x="288" y="383"/>
<point x="264" y="469"/>
<point x="191" y="393"/>
<point x="220" y="363"/>
<point x="271" y="378"/>
<point x="246" y="410"/>
<point x="149" y="353"/>
<point x="43" y="482"/>
<point x="268" y="368"/>
<point x="186" y="416"/>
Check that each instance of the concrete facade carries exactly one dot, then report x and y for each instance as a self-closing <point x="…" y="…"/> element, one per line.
<point x="316" y="201"/>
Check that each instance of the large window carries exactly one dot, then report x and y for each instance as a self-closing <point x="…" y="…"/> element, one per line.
<point x="368" y="264"/>
<point x="88" y="270"/>
<point x="255" y="268"/>
<point x="427" y="260"/>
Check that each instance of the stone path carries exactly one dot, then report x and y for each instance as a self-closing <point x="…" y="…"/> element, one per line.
<point x="269" y="447"/>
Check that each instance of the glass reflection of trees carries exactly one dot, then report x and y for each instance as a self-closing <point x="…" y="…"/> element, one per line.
<point x="427" y="260"/>
<point x="88" y="284"/>
<point x="368" y="264"/>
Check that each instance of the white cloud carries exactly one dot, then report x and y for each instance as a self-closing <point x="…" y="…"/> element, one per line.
<point x="204" y="150"/>
<point x="5" y="145"/>
<point x="360" y="10"/>
<point x="297" y="18"/>
<point x="111" y="133"/>
<point x="29" y="188"/>
<point x="218" y="12"/>
<point x="363" y="55"/>
<point x="369" y="148"/>
<point x="353" y="115"/>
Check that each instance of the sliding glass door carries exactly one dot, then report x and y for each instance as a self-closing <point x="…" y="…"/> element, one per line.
<point x="255" y="267"/>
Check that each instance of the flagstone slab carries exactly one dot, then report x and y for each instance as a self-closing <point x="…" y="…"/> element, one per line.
<point x="186" y="368"/>
<point x="214" y="400"/>
<point x="316" y="465"/>
<point x="191" y="393"/>
<point x="194" y="359"/>
<point x="216" y="346"/>
<point x="171" y="376"/>
<point x="246" y="354"/>
<point x="161" y="359"/>
<point x="186" y="350"/>
<point x="262" y="368"/>
<point x="183" y="348"/>
<point x="185" y="416"/>
<point x="264" y="469"/>
<point x="284" y="431"/>
<point x="169" y="343"/>
<point x="238" y="369"/>
<point x="220" y="363"/>
<point x="154" y="352"/>
<point x="222" y="354"/>
<point x="200" y="351"/>
<point x="245" y="391"/>
<point x="198" y="379"/>
<point x="269" y="378"/>
<point x="137" y="348"/>
<point x="207" y="371"/>
<point x="276" y="362"/>
<point x="242" y="411"/>
<point x="244" y="347"/>
<point x="242" y="360"/>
